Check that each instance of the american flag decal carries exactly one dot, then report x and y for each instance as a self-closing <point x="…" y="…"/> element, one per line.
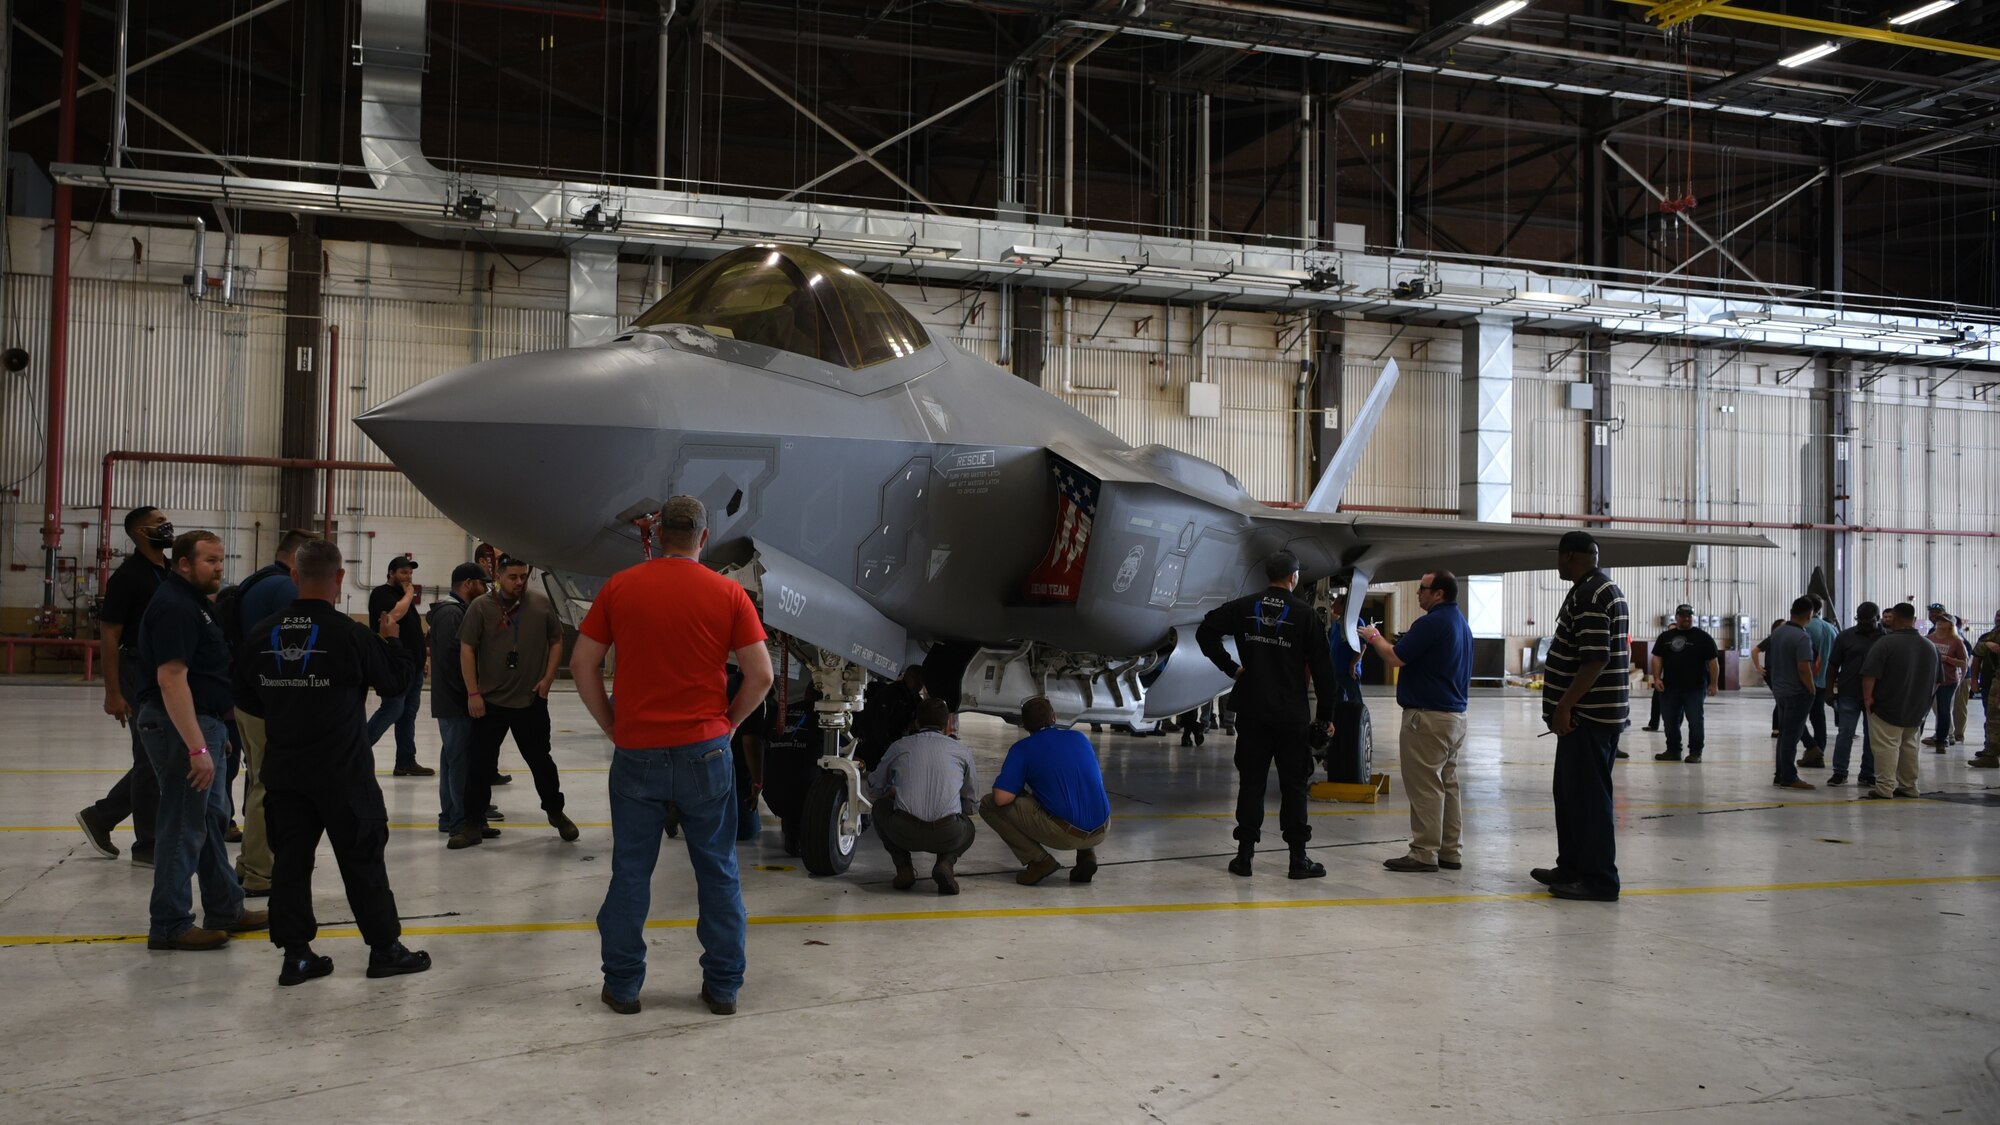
<point x="1060" y="575"/>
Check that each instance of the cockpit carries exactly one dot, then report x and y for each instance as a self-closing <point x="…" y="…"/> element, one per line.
<point x="795" y="300"/>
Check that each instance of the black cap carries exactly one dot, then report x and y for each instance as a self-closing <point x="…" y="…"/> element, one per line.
<point x="401" y="561"/>
<point x="1578" y="542"/>
<point x="1683" y="608"/>
<point x="465" y="572"/>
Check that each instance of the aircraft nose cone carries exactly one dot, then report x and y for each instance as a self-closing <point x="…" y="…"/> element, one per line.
<point x="538" y="453"/>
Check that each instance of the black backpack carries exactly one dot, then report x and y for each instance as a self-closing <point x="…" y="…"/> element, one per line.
<point x="229" y="606"/>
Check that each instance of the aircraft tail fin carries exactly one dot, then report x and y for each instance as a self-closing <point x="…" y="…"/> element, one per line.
<point x="1326" y="494"/>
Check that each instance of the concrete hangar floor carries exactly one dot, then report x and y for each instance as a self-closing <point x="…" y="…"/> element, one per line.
<point x="1792" y="958"/>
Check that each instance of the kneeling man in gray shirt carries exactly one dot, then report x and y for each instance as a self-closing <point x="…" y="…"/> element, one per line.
<point x="925" y="791"/>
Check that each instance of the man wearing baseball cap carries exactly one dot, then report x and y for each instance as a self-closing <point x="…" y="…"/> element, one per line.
<point x="1686" y="669"/>
<point x="1585" y="701"/>
<point x="468" y="583"/>
<point x="398" y="598"/>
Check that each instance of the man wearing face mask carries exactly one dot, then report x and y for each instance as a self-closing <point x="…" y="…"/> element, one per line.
<point x="131" y="587"/>
<point x="184" y="692"/>
<point x="510" y="648"/>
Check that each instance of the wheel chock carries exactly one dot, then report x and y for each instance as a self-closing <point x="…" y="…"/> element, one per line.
<point x="1363" y="793"/>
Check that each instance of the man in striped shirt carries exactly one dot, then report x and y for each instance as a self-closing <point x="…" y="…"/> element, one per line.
<point x="1584" y="701"/>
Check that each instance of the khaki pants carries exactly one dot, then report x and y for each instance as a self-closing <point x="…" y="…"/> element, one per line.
<point x="1429" y="747"/>
<point x="1961" y="699"/>
<point x="1897" y="752"/>
<point x="1028" y="829"/>
<point x="253" y="867"/>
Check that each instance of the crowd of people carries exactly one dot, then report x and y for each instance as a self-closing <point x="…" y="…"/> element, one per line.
<point x="270" y="679"/>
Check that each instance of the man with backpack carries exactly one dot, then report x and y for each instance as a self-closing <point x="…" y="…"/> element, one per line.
<point x="263" y="593"/>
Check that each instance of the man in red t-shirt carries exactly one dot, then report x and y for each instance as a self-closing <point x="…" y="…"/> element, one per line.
<point x="675" y="624"/>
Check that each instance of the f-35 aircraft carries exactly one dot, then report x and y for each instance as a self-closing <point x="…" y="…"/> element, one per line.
<point x="888" y="498"/>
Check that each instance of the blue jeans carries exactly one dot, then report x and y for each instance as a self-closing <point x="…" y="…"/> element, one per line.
<point x="1846" y="716"/>
<point x="1688" y="702"/>
<point x="187" y="835"/>
<point x="697" y="782"/>
<point x="456" y="734"/>
<point x="1792" y="711"/>
<point x="400" y="711"/>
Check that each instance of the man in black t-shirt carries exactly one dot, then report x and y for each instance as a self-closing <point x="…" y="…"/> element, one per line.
<point x="183" y="694"/>
<point x="131" y="586"/>
<point x="398" y="598"/>
<point x="1686" y="670"/>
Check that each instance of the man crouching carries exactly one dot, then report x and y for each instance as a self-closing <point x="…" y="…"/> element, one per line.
<point x="1050" y="794"/>
<point x="925" y="791"/>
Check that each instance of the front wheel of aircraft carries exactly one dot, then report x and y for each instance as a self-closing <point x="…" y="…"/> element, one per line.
<point x="824" y="848"/>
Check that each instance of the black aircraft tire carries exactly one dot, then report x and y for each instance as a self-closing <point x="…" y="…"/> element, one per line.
<point x="822" y="848"/>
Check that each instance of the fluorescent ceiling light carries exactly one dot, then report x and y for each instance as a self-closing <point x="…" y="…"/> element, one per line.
<point x="1498" y="12"/>
<point x="1809" y="54"/>
<point x="1546" y="297"/>
<point x="1924" y="11"/>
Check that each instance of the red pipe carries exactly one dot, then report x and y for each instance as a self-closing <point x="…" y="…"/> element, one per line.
<point x="332" y="383"/>
<point x="117" y="455"/>
<point x="52" y="458"/>
<point x="1678" y="521"/>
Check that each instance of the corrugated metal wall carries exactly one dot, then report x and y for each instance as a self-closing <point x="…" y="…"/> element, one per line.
<point x="1412" y="461"/>
<point x="389" y="346"/>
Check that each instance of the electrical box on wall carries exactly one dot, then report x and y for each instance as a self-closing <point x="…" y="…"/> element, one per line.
<point x="1582" y="396"/>
<point x="1204" y="400"/>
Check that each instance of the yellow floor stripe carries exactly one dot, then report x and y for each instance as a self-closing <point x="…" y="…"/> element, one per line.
<point x="9" y="940"/>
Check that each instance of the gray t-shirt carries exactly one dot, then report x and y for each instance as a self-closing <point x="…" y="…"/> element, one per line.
<point x="1904" y="666"/>
<point x="494" y="633"/>
<point x="1789" y="645"/>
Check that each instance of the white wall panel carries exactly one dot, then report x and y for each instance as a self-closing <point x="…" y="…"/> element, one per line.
<point x="1412" y="461"/>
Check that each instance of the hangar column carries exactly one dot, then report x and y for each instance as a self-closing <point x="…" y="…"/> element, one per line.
<point x="1329" y="360"/>
<point x="1838" y="378"/>
<point x="300" y="423"/>
<point x="1486" y="453"/>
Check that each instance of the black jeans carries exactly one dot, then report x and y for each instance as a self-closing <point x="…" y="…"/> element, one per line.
<point x="1586" y="846"/>
<point x="530" y="727"/>
<point x="294" y="819"/>
<point x="1678" y="703"/>
<point x="1941" y="710"/>
<point x="1814" y="738"/>
<point x="1258" y="745"/>
<point x="1792" y="712"/>
<point x="902" y="834"/>
<point x="137" y="792"/>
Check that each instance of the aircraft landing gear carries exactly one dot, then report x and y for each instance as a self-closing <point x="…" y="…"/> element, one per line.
<point x="830" y="823"/>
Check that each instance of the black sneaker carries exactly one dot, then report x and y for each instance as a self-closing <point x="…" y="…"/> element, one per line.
<point x="1667" y="756"/>
<point x="503" y="779"/>
<point x="306" y="966"/>
<point x="100" y="838"/>
<point x="1692" y="759"/>
<point x="1837" y="779"/>
<point x="493" y="813"/>
<point x="142" y="855"/>
<point x="1621" y="754"/>
<point x="719" y="1007"/>
<point x="393" y="960"/>
<point x="1086" y="866"/>
<point x="622" y="1007"/>
<point x="1241" y="864"/>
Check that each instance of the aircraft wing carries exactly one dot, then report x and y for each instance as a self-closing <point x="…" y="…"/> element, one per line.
<point x="1408" y="547"/>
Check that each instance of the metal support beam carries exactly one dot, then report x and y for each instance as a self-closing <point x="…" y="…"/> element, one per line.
<point x="873" y="150"/>
<point x="1597" y="429"/>
<point x="1840" y="428"/>
<point x="723" y="49"/>
<point x="1031" y="334"/>
<point x="1746" y="224"/>
<point x="135" y="103"/>
<point x="299" y="421"/>
<point x="1656" y="193"/>
<point x="1676" y="12"/>
<point x="101" y="83"/>
<point x="1486" y="453"/>
<point x="1329" y="366"/>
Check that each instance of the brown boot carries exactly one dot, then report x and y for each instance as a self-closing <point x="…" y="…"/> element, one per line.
<point x="193" y="941"/>
<point x="1038" y="871"/>
<point x="906" y="877"/>
<point x="946" y="876"/>
<point x="468" y="835"/>
<point x="251" y="920"/>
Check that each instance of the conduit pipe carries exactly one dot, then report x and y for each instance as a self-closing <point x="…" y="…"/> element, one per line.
<point x="331" y="450"/>
<point x="48" y="616"/>
<point x="112" y="458"/>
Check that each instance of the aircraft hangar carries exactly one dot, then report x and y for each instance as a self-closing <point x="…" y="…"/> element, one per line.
<point x="913" y="294"/>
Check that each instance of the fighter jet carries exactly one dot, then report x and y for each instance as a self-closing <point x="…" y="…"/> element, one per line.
<point x="888" y="498"/>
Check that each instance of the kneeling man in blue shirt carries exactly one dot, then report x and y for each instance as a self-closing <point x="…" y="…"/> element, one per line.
<point x="1050" y="794"/>
<point x="1436" y="659"/>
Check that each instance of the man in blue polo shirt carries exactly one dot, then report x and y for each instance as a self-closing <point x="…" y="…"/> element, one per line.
<point x="1436" y="658"/>
<point x="1050" y="794"/>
